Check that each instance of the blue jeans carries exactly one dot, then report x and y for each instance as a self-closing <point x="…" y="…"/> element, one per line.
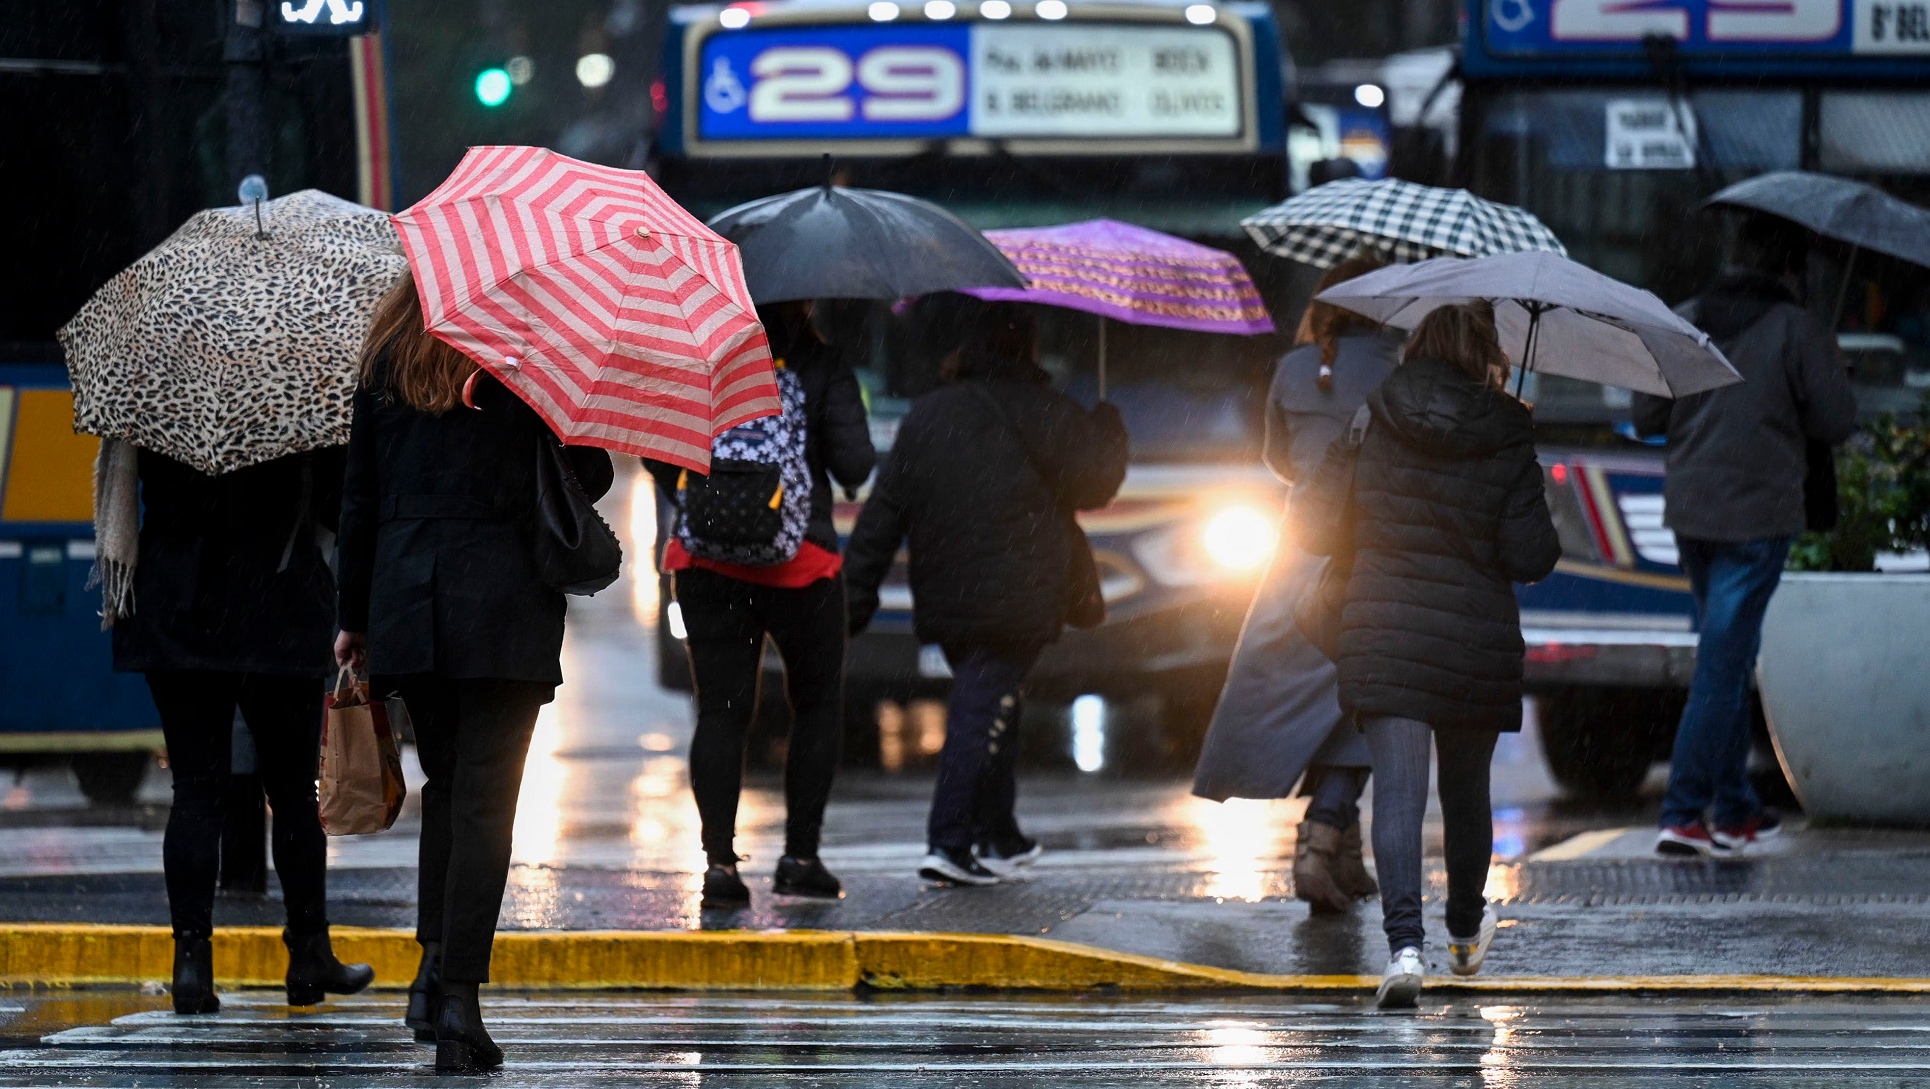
<point x="1732" y="582"/>
<point x="978" y="767"/>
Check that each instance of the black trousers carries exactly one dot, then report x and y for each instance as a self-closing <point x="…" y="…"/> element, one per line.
<point x="284" y="714"/>
<point x="978" y="767"/>
<point x="472" y="736"/>
<point x="727" y="620"/>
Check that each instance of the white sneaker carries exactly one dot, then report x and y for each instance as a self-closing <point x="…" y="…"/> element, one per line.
<point x="953" y="867"/>
<point x="1400" y="984"/>
<point x="1465" y="954"/>
<point x="1008" y="865"/>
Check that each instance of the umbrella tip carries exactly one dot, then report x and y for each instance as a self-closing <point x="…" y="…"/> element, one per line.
<point x="828" y="180"/>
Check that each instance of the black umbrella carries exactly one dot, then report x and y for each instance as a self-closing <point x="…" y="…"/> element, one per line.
<point x="830" y="242"/>
<point x="1840" y="208"/>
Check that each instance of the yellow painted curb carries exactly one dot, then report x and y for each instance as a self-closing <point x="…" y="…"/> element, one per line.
<point x="63" y="955"/>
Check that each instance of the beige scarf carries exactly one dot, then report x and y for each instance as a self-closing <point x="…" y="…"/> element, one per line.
<point x="117" y="528"/>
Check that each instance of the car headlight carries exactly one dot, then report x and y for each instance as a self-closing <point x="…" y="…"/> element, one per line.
<point x="1228" y="541"/>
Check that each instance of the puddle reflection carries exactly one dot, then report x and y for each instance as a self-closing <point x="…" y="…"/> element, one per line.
<point x="1246" y="842"/>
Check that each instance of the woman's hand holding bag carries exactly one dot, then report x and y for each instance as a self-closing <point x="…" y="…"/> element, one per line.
<point x="362" y="788"/>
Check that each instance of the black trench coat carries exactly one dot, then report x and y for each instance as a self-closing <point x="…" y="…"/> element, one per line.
<point x="231" y="576"/>
<point x="437" y="516"/>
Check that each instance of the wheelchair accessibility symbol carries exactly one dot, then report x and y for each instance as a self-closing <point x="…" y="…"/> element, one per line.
<point x="1511" y="15"/>
<point x="723" y="91"/>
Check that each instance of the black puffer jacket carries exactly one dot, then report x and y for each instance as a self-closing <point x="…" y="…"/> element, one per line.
<point x="1449" y="510"/>
<point x="989" y="547"/>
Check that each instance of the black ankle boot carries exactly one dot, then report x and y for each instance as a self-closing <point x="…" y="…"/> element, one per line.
<point x="194" y="976"/>
<point x="313" y="970"/>
<point x="805" y="877"/>
<point x="463" y="1045"/>
<point x="723" y="888"/>
<point x="423" y="994"/>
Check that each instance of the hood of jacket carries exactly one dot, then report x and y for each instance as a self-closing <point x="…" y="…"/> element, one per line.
<point x="1430" y="406"/>
<point x="1736" y="301"/>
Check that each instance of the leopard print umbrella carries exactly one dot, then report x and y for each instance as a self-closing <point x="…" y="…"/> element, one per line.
<point x="223" y="349"/>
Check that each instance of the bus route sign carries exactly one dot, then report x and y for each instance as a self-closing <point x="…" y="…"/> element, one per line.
<point x="1030" y="80"/>
<point x="1529" y="28"/>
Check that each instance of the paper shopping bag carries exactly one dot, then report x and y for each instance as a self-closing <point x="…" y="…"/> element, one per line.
<point x="362" y="787"/>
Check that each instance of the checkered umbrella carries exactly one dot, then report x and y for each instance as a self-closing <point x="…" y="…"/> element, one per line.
<point x="1411" y="222"/>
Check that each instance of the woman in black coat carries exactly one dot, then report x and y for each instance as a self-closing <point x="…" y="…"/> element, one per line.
<point x="982" y="480"/>
<point x="440" y="597"/>
<point x="232" y="608"/>
<point x="728" y="609"/>
<point x="1447" y="511"/>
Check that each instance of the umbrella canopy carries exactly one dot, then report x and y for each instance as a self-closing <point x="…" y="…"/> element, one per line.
<point x="1133" y="274"/>
<point x="618" y="316"/>
<point x="830" y="242"/>
<point x="1839" y="208"/>
<point x="222" y="349"/>
<point x="1555" y="317"/>
<point x="1325" y="224"/>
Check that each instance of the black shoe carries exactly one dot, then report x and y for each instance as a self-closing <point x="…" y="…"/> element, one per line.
<point x="463" y="1045"/>
<point x="423" y="994"/>
<point x="194" y="976"/>
<point x="955" y="866"/>
<point x="724" y="889"/>
<point x="805" y="877"/>
<point x="313" y="970"/>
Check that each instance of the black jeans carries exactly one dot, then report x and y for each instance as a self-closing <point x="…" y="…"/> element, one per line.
<point x="1400" y="806"/>
<point x="284" y="714"/>
<point x="1334" y="794"/>
<point x="726" y="620"/>
<point x="472" y="736"/>
<point x="978" y="768"/>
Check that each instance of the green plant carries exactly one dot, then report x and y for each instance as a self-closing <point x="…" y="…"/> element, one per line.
<point x="1883" y="492"/>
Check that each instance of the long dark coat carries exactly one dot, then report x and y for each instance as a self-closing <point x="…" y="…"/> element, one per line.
<point x="437" y="518"/>
<point x="1449" y="512"/>
<point x="989" y="548"/>
<point x="1280" y="709"/>
<point x="231" y="576"/>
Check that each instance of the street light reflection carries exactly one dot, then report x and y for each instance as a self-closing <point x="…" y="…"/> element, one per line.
<point x="643" y="538"/>
<point x="1245" y="841"/>
<point x="539" y="809"/>
<point x="1236" y="1049"/>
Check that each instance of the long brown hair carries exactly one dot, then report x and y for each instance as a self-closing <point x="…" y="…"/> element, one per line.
<point x="1463" y="336"/>
<point x="427" y="374"/>
<point x="1323" y="323"/>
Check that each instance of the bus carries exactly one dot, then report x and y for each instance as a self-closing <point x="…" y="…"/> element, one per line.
<point x="1612" y="122"/>
<point x="1014" y="113"/>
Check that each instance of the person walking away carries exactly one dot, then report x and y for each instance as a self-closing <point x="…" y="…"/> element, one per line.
<point x="1279" y="714"/>
<point x="231" y="605"/>
<point x="1734" y="497"/>
<point x="982" y="482"/>
<point x="729" y="609"/>
<point x="1440" y="507"/>
<point x="441" y="601"/>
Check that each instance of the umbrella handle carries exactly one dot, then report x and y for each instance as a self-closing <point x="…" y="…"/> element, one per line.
<point x="1843" y="292"/>
<point x="1102" y="357"/>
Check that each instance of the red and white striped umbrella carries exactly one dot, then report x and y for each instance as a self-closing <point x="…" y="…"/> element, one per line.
<point x="618" y="316"/>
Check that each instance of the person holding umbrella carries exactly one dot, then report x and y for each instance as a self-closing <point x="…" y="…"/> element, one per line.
<point x="983" y="480"/>
<point x="568" y="316"/>
<point x="1432" y="506"/>
<point x="217" y="370"/>
<point x="1734" y="496"/>
<point x="729" y="609"/>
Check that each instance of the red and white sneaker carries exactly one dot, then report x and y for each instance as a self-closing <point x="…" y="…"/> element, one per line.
<point x="1764" y="825"/>
<point x="1690" y="841"/>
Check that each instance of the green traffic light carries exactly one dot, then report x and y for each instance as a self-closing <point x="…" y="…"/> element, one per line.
<point x="492" y="87"/>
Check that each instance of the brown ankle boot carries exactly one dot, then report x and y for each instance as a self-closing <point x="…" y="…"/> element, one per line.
<point x="1350" y="870"/>
<point x="1313" y="869"/>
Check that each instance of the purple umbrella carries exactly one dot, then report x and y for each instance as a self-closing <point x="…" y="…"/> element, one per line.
<point x="1131" y="274"/>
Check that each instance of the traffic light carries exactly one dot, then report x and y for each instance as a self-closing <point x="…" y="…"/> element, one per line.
<point x="492" y="87"/>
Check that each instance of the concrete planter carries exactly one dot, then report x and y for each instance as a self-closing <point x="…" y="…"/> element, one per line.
<point x="1847" y="693"/>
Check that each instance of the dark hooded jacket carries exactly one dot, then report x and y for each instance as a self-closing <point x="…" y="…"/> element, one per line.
<point x="1448" y="512"/>
<point x="1737" y="455"/>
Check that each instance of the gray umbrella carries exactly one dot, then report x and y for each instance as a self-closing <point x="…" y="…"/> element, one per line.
<point x="1840" y="208"/>
<point x="830" y="242"/>
<point x="1555" y="317"/>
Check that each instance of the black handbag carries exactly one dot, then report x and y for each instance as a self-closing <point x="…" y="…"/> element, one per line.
<point x="1318" y="615"/>
<point x="1085" y="603"/>
<point x="576" y="550"/>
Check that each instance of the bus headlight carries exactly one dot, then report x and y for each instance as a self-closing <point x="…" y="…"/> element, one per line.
<point x="1230" y="540"/>
<point x="1239" y="537"/>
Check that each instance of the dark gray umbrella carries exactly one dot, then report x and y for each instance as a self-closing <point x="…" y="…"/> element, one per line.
<point x="830" y="242"/>
<point x="1839" y="208"/>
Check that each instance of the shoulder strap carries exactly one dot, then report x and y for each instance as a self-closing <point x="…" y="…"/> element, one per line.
<point x="991" y="402"/>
